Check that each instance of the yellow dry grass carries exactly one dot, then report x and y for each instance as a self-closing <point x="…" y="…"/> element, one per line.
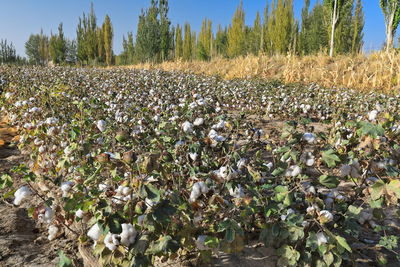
<point x="378" y="71"/>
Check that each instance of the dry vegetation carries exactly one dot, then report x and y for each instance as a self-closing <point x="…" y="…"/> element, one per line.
<point x="377" y="71"/>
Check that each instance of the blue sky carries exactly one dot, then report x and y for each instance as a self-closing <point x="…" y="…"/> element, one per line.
<point x="20" y="18"/>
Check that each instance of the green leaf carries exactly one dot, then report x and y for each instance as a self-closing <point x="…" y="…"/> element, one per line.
<point x="370" y="129"/>
<point x="64" y="261"/>
<point x="393" y="188"/>
<point x="330" y="158"/>
<point x="377" y="190"/>
<point x="5" y="181"/>
<point x="163" y="245"/>
<point x="152" y="193"/>
<point x="343" y="243"/>
<point x="329" y="181"/>
<point x="328" y="258"/>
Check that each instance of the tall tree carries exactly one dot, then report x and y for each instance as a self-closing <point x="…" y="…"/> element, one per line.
<point x="333" y="8"/>
<point x="178" y="42"/>
<point x="7" y="52"/>
<point x="165" y="32"/>
<point x="187" y="43"/>
<point x="58" y="46"/>
<point x="221" y="41"/>
<point x="255" y="35"/>
<point x="358" y="27"/>
<point x="108" y="39"/>
<point x="205" y="40"/>
<point x="391" y="13"/>
<point x="237" y="33"/>
<point x="148" y="38"/>
<point x="281" y="27"/>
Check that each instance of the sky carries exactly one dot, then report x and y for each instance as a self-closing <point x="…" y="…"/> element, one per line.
<point x="20" y="18"/>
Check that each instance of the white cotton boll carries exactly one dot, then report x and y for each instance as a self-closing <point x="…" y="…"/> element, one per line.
<point x="293" y="171"/>
<point x="51" y="121"/>
<point x="212" y="134"/>
<point x="321" y="238"/>
<point x="217" y="109"/>
<point x="103" y="187"/>
<point x="241" y="164"/>
<point x="311" y="210"/>
<point x="126" y="190"/>
<point x="237" y="192"/>
<point x="223" y="172"/>
<point x="128" y="234"/>
<point x="94" y="232"/>
<point x="187" y="127"/>
<point x="110" y="241"/>
<point x="307" y="158"/>
<point x="198" y="189"/>
<point x="42" y="149"/>
<point x="53" y="230"/>
<point x="200" y="242"/>
<point x="193" y="156"/>
<point x="325" y="216"/>
<point x="309" y="138"/>
<point x="48" y="215"/>
<point x="79" y="213"/>
<point x="198" y="121"/>
<point x="101" y="125"/>
<point x="20" y="194"/>
<point x="372" y="115"/>
<point x="66" y="187"/>
<point x="7" y="95"/>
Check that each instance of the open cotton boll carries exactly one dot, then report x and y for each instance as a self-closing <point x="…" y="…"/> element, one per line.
<point x="66" y="187"/>
<point x="198" y="189"/>
<point x="128" y="234"/>
<point x="237" y="192"/>
<point x="372" y="115"/>
<point x="111" y="241"/>
<point x="321" y="238"/>
<point x="309" y="138"/>
<point x="20" y="194"/>
<point x="325" y="216"/>
<point x="198" y="122"/>
<point x="193" y="156"/>
<point x="94" y="232"/>
<point x="53" y="230"/>
<point x="48" y="215"/>
<point x="101" y="125"/>
<point x="293" y="171"/>
<point x="187" y="127"/>
<point x="79" y="213"/>
<point x="200" y="242"/>
<point x="307" y="158"/>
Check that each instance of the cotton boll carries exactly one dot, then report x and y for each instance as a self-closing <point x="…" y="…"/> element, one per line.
<point x="20" y="194"/>
<point x="198" y="122"/>
<point x="42" y="149"/>
<point x="128" y="234"/>
<point x="198" y="189"/>
<point x="79" y="213"/>
<point x="53" y="230"/>
<point x="193" y="156"/>
<point x="293" y="171"/>
<point x="111" y="241"/>
<point x="200" y="242"/>
<point x="309" y="138"/>
<point x="66" y="187"/>
<point x="48" y="215"/>
<point x="241" y="164"/>
<point x="321" y="238"/>
<point x="307" y="158"/>
<point x="237" y="192"/>
<point x="187" y="127"/>
<point x="94" y="232"/>
<point x="101" y="125"/>
<point x="325" y="216"/>
<point x="372" y="115"/>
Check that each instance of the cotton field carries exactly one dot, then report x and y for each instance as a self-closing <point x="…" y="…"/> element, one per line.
<point x="141" y="165"/>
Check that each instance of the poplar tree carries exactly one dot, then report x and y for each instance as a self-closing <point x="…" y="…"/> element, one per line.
<point x="391" y="13"/>
<point x="281" y="27"/>
<point x="237" y="33"/>
<point x="108" y="39"/>
<point x="333" y="9"/>
<point x="358" y="26"/>
<point x="7" y="52"/>
<point x="178" y="42"/>
<point x="254" y="39"/>
<point x="205" y="40"/>
<point x="165" y="33"/>
<point x="187" y="43"/>
<point x="221" y="41"/>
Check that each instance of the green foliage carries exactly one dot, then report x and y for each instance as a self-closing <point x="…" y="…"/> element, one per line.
<point x="237" y="34"/>
<point x="330" y="158"/>
<point x="64" y="261"/>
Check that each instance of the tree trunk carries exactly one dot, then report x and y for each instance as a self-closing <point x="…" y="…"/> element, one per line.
<point x="334" y="21"/>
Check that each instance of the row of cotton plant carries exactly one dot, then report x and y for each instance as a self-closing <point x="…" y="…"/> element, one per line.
<point x="145" y="164"/>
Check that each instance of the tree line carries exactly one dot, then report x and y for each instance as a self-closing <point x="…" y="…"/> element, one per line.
<point x="329" y="26"/>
